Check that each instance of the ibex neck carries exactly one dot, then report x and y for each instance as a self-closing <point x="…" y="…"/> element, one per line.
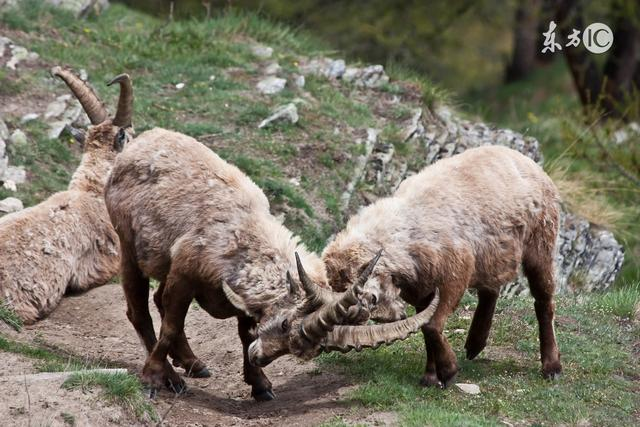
<point x="92" y="174"/>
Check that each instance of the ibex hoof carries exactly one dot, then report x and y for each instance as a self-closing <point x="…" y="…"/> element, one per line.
<point x="430" y="380"/>
<point x="552" y="371"/>
<point x="177" y="387"/>
<point x="202" y="373"/>
<point x="263" y="396"/>
<point x="150" y="392"/>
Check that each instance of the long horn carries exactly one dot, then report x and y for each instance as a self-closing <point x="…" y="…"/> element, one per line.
<point x="88" y="99"/>
<point x="125" y="102"/>
<point x="316" y="325"/>
<point x="316" y="295"/>
<point x="346" y="338"/>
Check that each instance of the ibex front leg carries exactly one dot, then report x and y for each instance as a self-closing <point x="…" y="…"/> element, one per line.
<point x="177" y="296"/>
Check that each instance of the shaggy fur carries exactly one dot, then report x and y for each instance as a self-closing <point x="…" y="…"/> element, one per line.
<point x="66" y="243"/>
<point x="193" y="221"/>
<point x="465" y="222"/>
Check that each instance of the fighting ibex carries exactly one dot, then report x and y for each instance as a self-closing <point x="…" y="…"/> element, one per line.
<point x="67" y="243"/>
<point x="204" y="230"/>
<point x="465" y="222"/>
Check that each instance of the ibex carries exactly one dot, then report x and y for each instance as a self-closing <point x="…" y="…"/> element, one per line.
<point x="67" y="243"/>
<point x="204" y="230"/>
<point x="465" y="222"/>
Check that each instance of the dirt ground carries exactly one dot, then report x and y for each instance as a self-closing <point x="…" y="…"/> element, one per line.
<point x="94" y="326"/>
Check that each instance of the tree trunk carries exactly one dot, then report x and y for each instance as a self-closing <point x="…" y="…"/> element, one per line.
<point x="525" y="37"/>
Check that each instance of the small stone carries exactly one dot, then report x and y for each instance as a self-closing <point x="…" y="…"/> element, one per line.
<point x="18" y="137"/>
<point x="468" y="388"/>
<point x="20" y="54"/>
<point x="47" y="248"/>
<point x="336" y="69"/>
<point x="261" y="51"/>
<point x="458" y="331"/>
<point x="83" y="74"/>
<point x="271" y="85"/>
<point x="3" y="147"/>
<point x="212" y="78"/>
<point x="10" y="185"/>
<point x="10" y="204"/>
<point x="300" y="81"/>
<point x="294" y="181"/>
<point x="56" y="128"/>
<point x="4" y="130"/>
<point x="287" y="112"/>
<point x="29" y="117"/>
<point x="272" y="68"/>
<point x="180" y="86"/>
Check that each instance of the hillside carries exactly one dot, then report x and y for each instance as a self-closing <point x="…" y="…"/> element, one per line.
<point x="340" y="143"/>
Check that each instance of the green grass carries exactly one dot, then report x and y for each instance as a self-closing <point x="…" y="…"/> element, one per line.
<point x="120" y="388"/>
<point x="47" y="359"/>
<point x="599" y="384"/>
<point x="9" y="316"/>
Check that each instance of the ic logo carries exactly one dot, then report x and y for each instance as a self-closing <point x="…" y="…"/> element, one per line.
<point x="597" y="37"/>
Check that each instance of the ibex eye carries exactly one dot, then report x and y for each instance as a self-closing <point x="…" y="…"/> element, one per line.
<point x="285" y="325"/>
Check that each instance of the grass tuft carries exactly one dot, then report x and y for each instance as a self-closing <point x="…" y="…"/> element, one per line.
<point x="121" y="388"/>
<point x="9" y="316"/>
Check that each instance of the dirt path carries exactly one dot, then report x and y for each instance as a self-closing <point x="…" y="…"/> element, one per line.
<point x="94" y="326"/>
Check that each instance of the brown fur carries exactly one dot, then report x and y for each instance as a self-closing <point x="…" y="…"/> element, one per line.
<point x="466" y="222"/>
<point x="66" y="243"/>
<point x="193" y="221"/>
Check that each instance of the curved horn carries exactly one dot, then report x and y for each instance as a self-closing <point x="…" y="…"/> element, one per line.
<point x="346" y="338"/>
<point x="84" y="93"/>
<point x="125" y="102"/>
<point x="235" y="299"/>
<point x="316" y="295"/>
<point x="316" y="325"/>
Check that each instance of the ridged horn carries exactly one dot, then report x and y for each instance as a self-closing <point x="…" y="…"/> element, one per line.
<point x="317" y="324"/>
<point x="84" y="93"/>
<point x="347" y="338"/>
<point x="125" y="102"/>
<point x="316" y="296"/>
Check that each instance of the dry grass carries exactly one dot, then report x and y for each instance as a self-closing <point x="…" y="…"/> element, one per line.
<point x="586" y="195"/>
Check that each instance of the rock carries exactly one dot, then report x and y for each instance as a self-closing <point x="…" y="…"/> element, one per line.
<point x="4" y="41"/>
<point x="288" y="112"/>
<point x="372" y="76"/>
<point x="468" y="388"/>
<point x="55" y="128"/>
<point x="16" y="174"/>
<point x="82" y="8"/>
<point x="18" y="137"/>
<point x="55" y="109"/>
<point x="271" y="85"/>
<point x="272" y="68"/>
<point x="180" y="86"/>
<point x="10" y="204"/>
<point x="4" y="130"/>
<point x="299" y="80"/>
<point x="262" y="51"/>
<point x="4" y="164"/>
<point x="414" y="125"/>
<point x="10" y="185"/>
<point x="29" y="117"/>
<point x="3" y="148"/>
<point x="327" y="67"/>
<point x="20" y="54"/>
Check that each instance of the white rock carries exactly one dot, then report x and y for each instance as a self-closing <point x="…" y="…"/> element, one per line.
<point x="294" y="181"/>
<point x="20" y="54"/>
<point x="272" y="68"/>
<point x="10" y="204"/>
<point x="55" y="128"/>
<point x="336" y="69"/>
<point x="10" y="185"/>
<point x="3" y="147"/>
<point x="468" y="388"/>
<point x="4" y="130"/>
<point x="4" y="41"/>
<point x="83" y="74"/>
<point x="271" y="85"/>
<point x="15" y="174"/>
<point x="180" y="86"/>
<point x="458" y="331"/>
<point x="4" y="164"/>
<point x="261" y="51"/>
<point x="212" y="78"/>
<point x="18" y="137"/>
<point x="29" y="117"/>
<point x="300" y="81"/>
<point x="288" y="112"/>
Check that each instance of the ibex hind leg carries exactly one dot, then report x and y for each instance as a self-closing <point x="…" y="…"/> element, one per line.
<point x="538" y="267"/>
<point x="180" y="351"/>
<point x="481" y="323"/>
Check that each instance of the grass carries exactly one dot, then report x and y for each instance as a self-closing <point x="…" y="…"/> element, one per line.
<point x="8" y="316"/>
<point x="599" y="386"/>
<point x="120" y="388"/>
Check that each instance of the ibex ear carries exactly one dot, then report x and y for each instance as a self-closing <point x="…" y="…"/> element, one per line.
<point x="121" y="139"/>
<point x="234" y="298"/>
<point x="77" y="134"/>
